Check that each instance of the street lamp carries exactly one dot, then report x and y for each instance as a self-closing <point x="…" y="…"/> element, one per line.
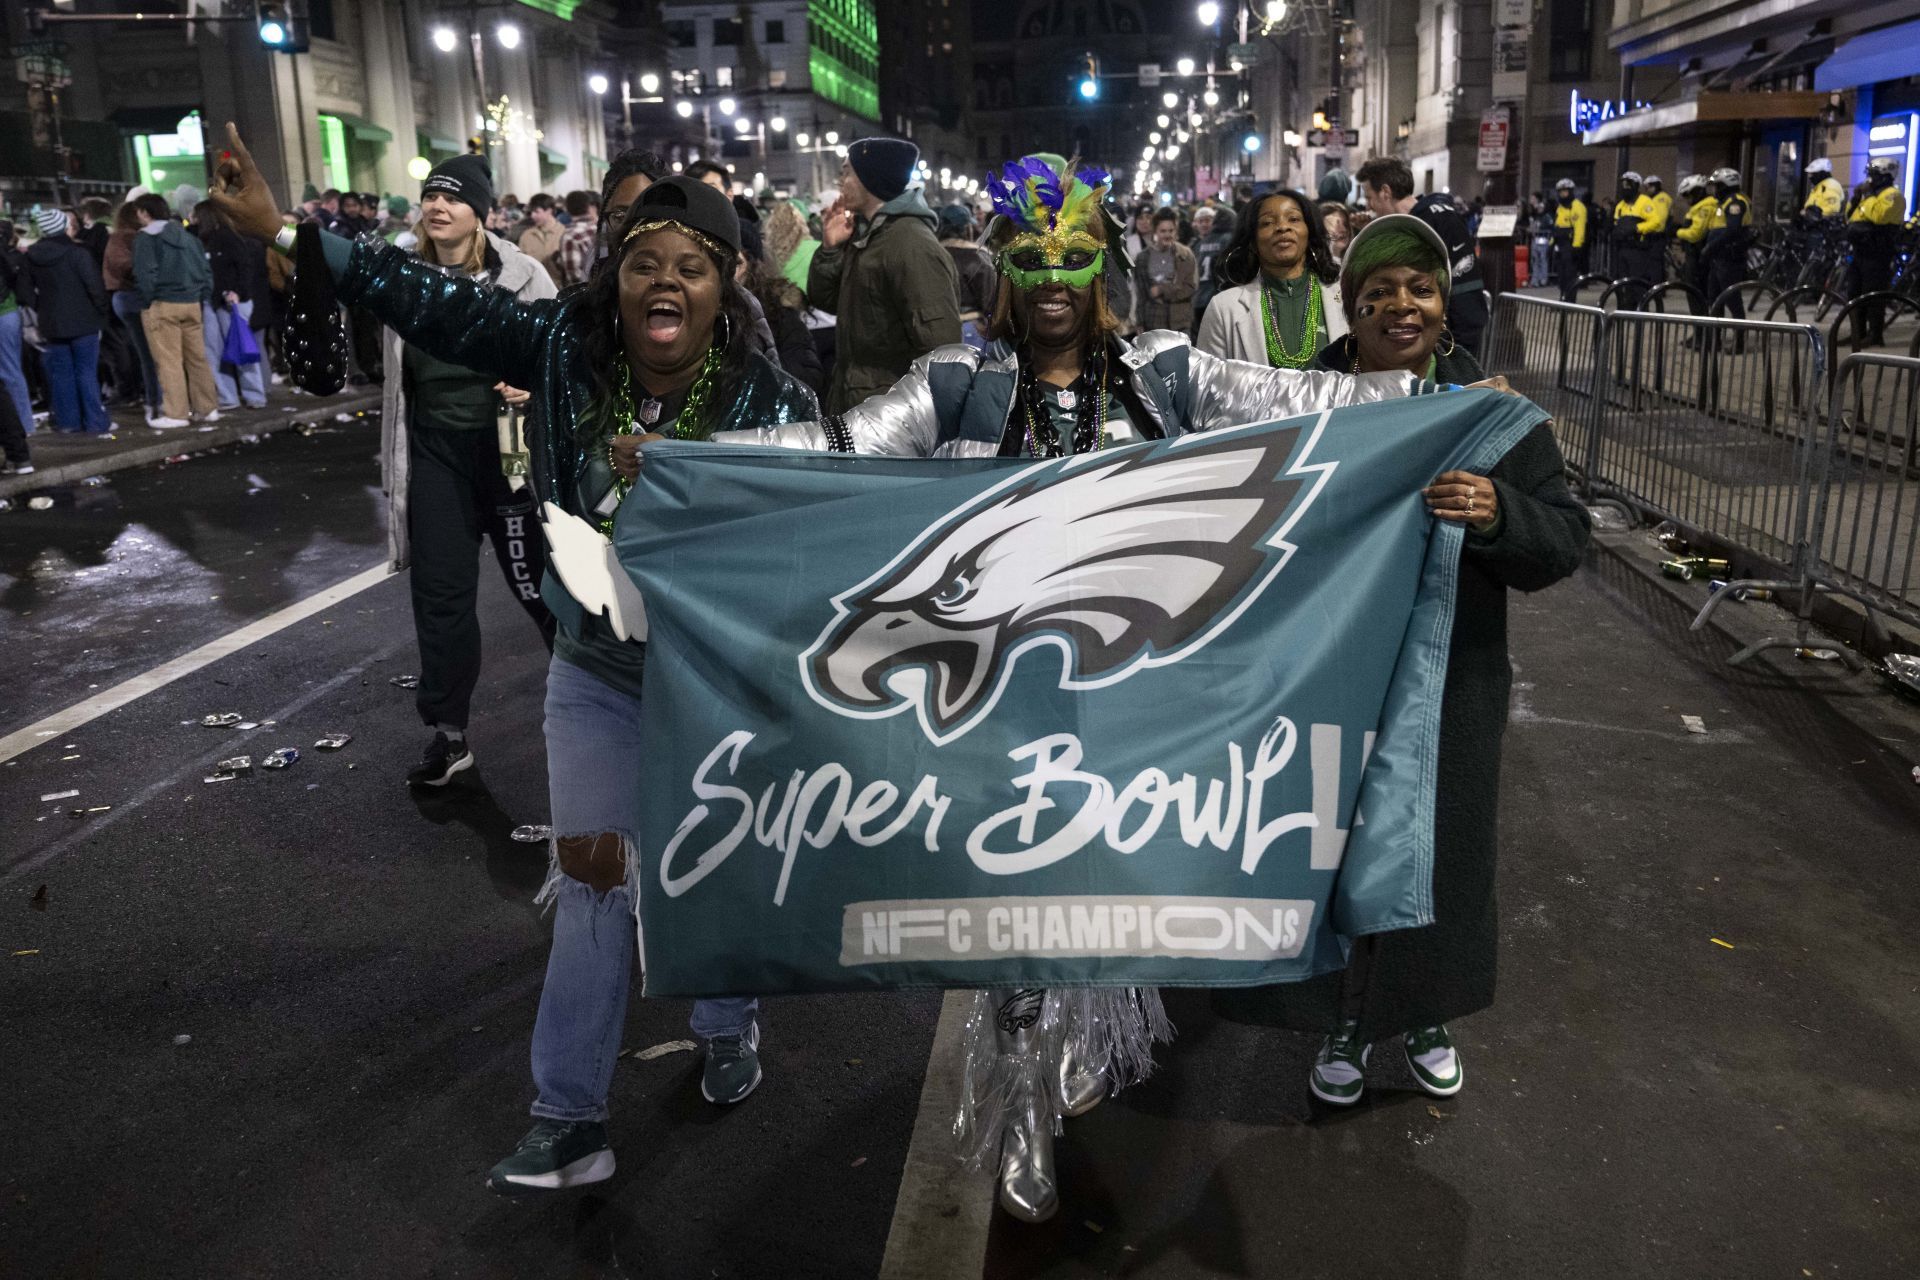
<point x="1146" y="153"/>
<point x="1163" y="120"/>
<point x="649" y="84"/>
<point x="444" y="40"/>
<point x="802" y="139"/>
<point x="1208" y="13"/>
<point x="597" y="83"/>
<point x="1250" y="143"/>
<point x="742" y="125"/>
<point x="833" y="138"/>
<point x="508" y="35"/>
<point x="726" y="106"/>
<point x="1211" y="98"/>
<point x="1154" y="137"/>
<point x="1184" y="66"/>
<point x="1169" y="100"/>
<point x="778" y="124"/>
<point x="683" y="109"/>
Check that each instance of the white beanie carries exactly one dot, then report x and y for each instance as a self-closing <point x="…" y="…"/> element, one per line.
<point x="52" y="222"/>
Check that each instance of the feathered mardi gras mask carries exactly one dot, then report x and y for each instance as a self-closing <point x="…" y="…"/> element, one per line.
<point x="1053" y="214"/>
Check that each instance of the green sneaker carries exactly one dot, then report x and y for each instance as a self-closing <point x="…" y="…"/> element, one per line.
<point x="553" y="1155"/>
<point x="1434" y="1061"/>
<point x="1339" y="1072"/>
<point x="733" y="1067"/>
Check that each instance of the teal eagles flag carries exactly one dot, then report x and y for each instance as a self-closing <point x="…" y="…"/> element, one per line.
<point x="1159" y="715"/>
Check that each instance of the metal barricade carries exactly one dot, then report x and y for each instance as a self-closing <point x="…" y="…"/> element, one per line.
<point x="1546" y="349"/>
<point x="1709" y="422"/>
<point x="1865" y="528"/>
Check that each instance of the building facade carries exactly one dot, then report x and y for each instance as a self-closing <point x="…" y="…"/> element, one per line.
<point x="773" y="89"/>
<point x="387" y="88"/>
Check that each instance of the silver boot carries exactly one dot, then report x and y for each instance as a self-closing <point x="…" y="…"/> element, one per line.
<point x="1028" y="1188"/>
<point x="1081" y="1084"/>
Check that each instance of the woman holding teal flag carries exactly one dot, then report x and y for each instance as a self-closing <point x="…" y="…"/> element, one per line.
<point x="656" y="341"/>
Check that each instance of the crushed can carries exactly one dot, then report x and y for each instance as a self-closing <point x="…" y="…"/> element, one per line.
<point x="1902" y="671"/>
<point x="533" y="834"/>
<point x="1685" y="567"/>
<point x="332" y="741"/>
<point x="239" y="764"/>
<point x="220" y="719"/>
<point x="281" y="758"/>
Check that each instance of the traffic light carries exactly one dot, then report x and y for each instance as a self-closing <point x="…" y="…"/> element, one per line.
<point x="1090" y="79"/>
<point x="282" y="25"/>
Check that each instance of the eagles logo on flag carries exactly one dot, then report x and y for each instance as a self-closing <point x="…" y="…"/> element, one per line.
<point x="1077" y="556"/>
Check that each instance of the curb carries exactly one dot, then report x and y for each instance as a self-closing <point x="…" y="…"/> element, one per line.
<point x="1862" y="700"/>
<point x="176" y="443"/>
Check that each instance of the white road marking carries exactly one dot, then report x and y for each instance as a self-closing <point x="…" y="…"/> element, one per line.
<point x="942" y="1211"/>
<point x="230" y="746"/>
<point x="64" y="722"/>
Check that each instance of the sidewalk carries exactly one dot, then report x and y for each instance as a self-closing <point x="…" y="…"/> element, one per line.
<point x="67" y="459"/>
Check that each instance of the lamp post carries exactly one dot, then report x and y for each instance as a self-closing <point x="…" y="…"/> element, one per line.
<point x="446" y="40"/>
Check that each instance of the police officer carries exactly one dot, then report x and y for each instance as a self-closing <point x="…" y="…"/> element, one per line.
<point x="1633" y="258"/>
<point x="1825" y="198"/>
<point x="1725" y="252"/>
<point x="1873" y="228"/>
<point x="1703" y="214"/>
<point x="1569" y="237"/>
<point x="1655" y="189"/>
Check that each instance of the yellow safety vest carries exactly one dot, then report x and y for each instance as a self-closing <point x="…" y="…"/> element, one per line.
<point x="1653" y="212"/>
<point x="1883" y="208"/>
<point x="1826" y="198"/>
<point x="1572" y="216"/>
<point x="1703" y="217"/>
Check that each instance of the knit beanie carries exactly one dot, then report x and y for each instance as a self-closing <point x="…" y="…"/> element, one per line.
<point x="956" y="222"/>
<point x="883" y="165"/>
<point x="399" y="206"/>
<point x="52" y="222"/>
<point x="465" y="178"/>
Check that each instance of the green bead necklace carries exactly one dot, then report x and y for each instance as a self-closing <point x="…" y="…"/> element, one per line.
<point x="691" y="424"/>
<point x="1277" y="353"/>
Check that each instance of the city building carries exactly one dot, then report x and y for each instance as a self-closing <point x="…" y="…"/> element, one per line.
<point x="926" y="84"/>
<point x="387" y="88"/>
<point x="773" y="89"/>
<point x="1769" y="88"/>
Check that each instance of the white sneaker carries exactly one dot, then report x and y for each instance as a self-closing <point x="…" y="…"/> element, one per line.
<point x="210" y="417"/>
<point x="1434" y="1061"/>
<point x="162" y="424"/>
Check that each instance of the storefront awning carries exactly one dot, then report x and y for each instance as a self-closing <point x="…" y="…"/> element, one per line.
<point x="364" y="130"/>
<point x="430" y="143"/>
<point x="596" y="162"/>
<point x="1708" y="108"/>
<point x="1891" y="53"/>
<point x="551" y="158"/>
<point x="150" y="119"/>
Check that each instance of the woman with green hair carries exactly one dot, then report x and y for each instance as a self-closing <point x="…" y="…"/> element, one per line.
<point x="1525" y="531"/>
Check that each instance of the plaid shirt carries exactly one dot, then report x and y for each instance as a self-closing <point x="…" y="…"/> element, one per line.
<point x="573" y="261"/>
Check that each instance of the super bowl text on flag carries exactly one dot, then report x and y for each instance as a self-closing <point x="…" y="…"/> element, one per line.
<point x="1162" y="714"/>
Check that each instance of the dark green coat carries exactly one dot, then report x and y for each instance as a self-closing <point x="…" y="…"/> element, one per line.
<point x="896" y="294"/>
<point x="1420" y="977"/>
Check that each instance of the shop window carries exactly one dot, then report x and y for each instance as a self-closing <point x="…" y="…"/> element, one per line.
<point x="726" y="32"/>
<point x="776" y="78"/>
<point x="682" y="33"/>
<point x="320" y="19"/>
<point x="776" y="31"/>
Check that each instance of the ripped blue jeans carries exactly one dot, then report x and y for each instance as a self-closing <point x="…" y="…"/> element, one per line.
<point x="593" y="754"/>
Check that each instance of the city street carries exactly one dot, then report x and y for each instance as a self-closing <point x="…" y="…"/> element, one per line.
<point x="278" y="1026"/>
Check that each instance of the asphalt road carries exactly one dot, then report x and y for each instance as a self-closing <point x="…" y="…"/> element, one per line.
<point x="358" y="970"/>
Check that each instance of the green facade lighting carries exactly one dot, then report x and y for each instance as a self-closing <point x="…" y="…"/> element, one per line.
<point x="561" y="9"/>
<point x="333" y="150"/>
<point x="843" y="54"/>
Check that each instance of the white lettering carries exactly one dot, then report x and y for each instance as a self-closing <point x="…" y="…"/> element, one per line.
<point x="958" y="939"/>
<point x="731" y="745"/>
<point x="997" y="937"/>
<point x="1216" y="928"/>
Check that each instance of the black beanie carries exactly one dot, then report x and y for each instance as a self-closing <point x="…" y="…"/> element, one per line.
<point x="465" y="178"/>
<point x="691" y="203"/>
<point x="883" y="165"/>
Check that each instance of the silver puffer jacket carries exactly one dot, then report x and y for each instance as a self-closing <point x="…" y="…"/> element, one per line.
<point x="955" y="402"/>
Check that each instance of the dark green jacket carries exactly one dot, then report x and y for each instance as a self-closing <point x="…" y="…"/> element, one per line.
<point x="534" y="345"/>
<point x="171" y="266"/>
<point x="897" y="296"/>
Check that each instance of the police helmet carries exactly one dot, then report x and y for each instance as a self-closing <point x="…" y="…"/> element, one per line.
<point x="1727" y="177"/>
<point x="1822" y="165"/>
<point x="1565" y="184"/>
<point x="1630" y="176"/>
<point x="1691" y="183"/>
<point x="1653" y="180"/>
<point x="1880" y="166"/>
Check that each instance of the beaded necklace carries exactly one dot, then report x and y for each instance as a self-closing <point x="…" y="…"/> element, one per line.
<point x="691" y="424"/>
<point x="1277" y="353"/>
<point x="1041" y="439"/>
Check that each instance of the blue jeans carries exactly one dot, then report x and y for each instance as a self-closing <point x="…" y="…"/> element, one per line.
<point x="126" y="305"/>
<point x="13" y="379"/>
<point x="73" y="385"/>
<point x="253" y="381"/>
<point x="593" y="755"/>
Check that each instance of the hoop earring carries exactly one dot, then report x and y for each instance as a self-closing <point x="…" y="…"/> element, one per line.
<point x="723" y="331"/>
<point x="1446" y="336"/>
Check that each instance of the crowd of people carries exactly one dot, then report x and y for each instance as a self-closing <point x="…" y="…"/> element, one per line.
<point x="532" y="352"/>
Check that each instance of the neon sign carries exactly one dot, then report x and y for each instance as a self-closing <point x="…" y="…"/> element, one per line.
<point x="1584" y="113"/>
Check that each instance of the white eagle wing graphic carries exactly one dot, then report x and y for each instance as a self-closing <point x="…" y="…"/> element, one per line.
<point x="587" y="567"/>
<point x="1122" y="561"/>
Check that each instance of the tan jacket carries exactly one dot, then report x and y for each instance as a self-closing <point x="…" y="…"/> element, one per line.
<point x="539" y="242"/>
